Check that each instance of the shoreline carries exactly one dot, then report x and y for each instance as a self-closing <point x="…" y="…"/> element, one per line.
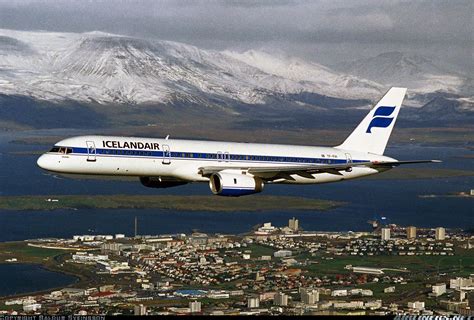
<point x="259" y="203"/>
<point x="50" y="262"/>
<point x="77" y="280"/>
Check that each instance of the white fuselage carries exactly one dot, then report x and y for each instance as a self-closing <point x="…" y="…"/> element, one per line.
<point x="181" y="159"/>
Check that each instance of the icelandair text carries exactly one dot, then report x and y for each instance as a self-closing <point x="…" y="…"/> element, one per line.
<point x="131" y="145"/>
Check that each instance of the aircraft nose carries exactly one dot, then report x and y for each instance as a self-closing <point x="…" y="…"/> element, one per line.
<point x="42" y="162"/>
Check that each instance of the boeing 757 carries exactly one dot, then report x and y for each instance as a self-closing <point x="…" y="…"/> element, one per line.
<point x="232" y="169"/>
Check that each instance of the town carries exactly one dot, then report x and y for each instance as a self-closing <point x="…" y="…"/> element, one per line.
<point x="391" y="270"/>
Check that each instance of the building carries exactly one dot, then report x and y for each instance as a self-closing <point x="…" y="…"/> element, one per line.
<point x="280" y="299"/>
<point x="259" y="277"/>
<point x="440" y="233"/>
<point x="385" y="234"/>
<point x="417" y="305"/>
<point x="265" y="296"/>
<point x="83" y="257"/>
<point x="282" y="253"/>
<point x="361" y="292"/>
<point x="139" y="310"/>
<point x="293" y="224"/>
<point x="267" y="227"/>
<point x="389" y="290"/>
<point x="351" y="305"/>
<point x="455" y="306"/>
<point x="438" y="289"/>
<point x="367" y="270"/>
<point x="195" y="306"/>
<point x="460" y="295"/>
<point x="111" y="247"/>
<point x="253" y="302"/>
<point x="339" y="293"/>
<point x="309" y="296"/>
<point x="411" y="232"/>
<point x="32" y="307"/>
<point x="373" y="305"/>
<point x="460" y="282"/>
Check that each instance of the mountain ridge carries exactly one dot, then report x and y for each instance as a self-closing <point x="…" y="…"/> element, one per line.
<point x="106" y="70"/>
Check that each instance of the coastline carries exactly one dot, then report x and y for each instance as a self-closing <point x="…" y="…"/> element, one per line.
<point x="168" y="202"/>
<point x="77" y="280"/>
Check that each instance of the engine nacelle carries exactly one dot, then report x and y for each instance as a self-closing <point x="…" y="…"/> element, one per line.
<point x="234" y="184"/>
<point x="160" y="182"/>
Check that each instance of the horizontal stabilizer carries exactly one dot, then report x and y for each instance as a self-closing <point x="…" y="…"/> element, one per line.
<point x="397" y="163"/>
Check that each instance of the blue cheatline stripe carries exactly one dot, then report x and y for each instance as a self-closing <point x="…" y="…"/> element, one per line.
<point x="209" y="156"/>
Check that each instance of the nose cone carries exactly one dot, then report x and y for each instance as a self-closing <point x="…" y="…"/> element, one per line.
<point x="42" y="162"/>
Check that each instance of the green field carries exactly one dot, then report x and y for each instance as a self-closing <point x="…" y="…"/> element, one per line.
<point x="259" y="250"/>
<point x="423" y="272"/>
<point x="25" y="253"/>
<point x="414" y="264"/>
<point x="190" y="203"/>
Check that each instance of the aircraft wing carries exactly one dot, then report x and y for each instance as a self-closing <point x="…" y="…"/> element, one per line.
<point x="305" y="170"/>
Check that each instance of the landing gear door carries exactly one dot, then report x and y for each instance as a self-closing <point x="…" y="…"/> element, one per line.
<point x="166" y="154"/>
<point x="91" y="151"/>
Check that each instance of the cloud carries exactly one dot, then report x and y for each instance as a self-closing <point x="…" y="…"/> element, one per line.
<point x="294" y="24"/>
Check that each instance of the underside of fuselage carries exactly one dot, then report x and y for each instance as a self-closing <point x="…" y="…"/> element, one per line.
<point x="281" y="179"/>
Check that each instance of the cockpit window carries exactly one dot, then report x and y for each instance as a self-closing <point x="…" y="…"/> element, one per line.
<point x="62" y="150"/>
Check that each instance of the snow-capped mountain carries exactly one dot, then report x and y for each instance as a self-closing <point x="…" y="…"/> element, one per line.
<point x="315" y="75"/>
<point x="100" y="68"/>
<point x="416" y="72"/>
<point x="108" y="68"/>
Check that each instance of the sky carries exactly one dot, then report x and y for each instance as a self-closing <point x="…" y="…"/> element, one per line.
<point x="324" y="31"/>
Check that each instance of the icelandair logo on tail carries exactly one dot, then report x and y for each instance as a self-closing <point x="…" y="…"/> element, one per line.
<point x="381" y="118"/>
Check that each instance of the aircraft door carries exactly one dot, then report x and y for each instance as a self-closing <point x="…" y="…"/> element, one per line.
<point x="166" y="154"/>
<point x="348" y="158"/>
<point x="91" y="151"/>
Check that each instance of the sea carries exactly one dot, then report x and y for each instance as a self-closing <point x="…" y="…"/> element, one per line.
<point x="22" y="278"/>
<point x="397" y="201"/>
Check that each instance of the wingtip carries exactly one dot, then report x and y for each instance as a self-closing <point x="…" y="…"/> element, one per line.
<point x="436" y="161"/>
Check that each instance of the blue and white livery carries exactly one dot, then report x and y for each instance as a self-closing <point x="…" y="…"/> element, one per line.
<point x="232" y="169"/>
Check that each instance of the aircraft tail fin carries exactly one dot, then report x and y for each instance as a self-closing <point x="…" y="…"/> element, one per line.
<point x="372" y="134"/>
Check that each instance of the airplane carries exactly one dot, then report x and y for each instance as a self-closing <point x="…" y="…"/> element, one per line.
<point x="232" y="169"/>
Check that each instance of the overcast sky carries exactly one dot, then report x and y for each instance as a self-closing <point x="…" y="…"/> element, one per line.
<point x="327" y="31"/>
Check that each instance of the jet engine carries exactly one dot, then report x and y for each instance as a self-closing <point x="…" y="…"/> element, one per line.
<point x="234" y="184"/>
<point x="160" y="182"/>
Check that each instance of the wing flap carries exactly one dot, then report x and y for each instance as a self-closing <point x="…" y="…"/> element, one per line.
<point x="307" y="170"/>
<point x="269" y="172"/>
